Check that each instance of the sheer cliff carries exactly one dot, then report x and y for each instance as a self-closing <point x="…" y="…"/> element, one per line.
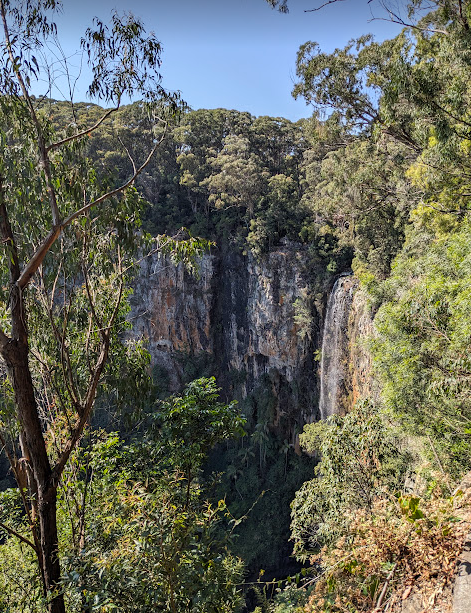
<point x="237" y="319"/>
<point x="257" y="324"/>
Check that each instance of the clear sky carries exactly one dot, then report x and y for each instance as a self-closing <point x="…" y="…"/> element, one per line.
<point x="237" y="54"/>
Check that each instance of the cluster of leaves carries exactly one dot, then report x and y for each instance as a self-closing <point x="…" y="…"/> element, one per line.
<point x="396" y="189"/>
<point x="360" y="458"/>
<point x="136" y="530"/>
<point x="421" y="351"/>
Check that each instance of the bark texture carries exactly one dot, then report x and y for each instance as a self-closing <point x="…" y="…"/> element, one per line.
<point x="42" y="492"/>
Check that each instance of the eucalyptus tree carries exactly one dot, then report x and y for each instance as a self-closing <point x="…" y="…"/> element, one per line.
<point x="199" y="138"/>
<point x="67" y="245"/>
<point x="238" y="177"/>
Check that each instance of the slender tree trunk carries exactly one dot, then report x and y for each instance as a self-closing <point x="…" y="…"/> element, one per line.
<point x="49" y="548"/>
<point x="35" y="453"/>
<point x="15" y="353"/>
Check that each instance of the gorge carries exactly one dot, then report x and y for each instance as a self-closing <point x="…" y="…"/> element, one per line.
<point x="293" y="433"/>
<point x="238" y="319"/>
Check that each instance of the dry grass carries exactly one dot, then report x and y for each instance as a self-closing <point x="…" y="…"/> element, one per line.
<point x="403" y="550"/>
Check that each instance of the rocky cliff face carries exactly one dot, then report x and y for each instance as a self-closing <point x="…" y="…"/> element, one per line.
<point x="238" y="319"/>
<point x="360" y="327"/>
<point x="172" y="309"/>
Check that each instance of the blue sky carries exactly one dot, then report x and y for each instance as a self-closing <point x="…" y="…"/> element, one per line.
<point x="236" y="54"/>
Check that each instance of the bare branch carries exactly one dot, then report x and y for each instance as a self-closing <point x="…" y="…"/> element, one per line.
<point x="128" y="154"/>
<point x="38" y="258"/>
<point x="83" y="419"/>
<point x="19" y="536"/>
<point x="87" y="342"/>
<point x="67" y="370"/>
<point x="120" y="292"/>
<point x="90" y="298"/>
<point x="59" y="143"/>
<point x="51" y="382"/>
<point x="395" y="18"/>
<point x="54" y="285"/>
<point x="113" y="192"/>
<point x="322" y="6"/>
<point x="67" y="366"/>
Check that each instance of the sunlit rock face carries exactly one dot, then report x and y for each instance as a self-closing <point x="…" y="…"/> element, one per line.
<point x="172" y="309"/>
<point x="259" y="330"/>
<point x="238" y="318"/>
<point x="360" y="381"/>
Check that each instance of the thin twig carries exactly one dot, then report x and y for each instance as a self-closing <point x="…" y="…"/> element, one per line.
<point x="379" y="602"/>
<point x="59" y="143"/>
<point x="322" y="6"/>
<point x="19" y="536"/>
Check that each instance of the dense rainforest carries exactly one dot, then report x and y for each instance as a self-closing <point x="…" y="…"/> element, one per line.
<point x="120" y="492"/>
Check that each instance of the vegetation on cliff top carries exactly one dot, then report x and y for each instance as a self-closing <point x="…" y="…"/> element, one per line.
<point x="405" y="103"/>
<point x="382" y="184"/>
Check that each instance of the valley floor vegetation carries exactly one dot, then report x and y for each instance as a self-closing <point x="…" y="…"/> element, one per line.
<point x="110" y="503"/>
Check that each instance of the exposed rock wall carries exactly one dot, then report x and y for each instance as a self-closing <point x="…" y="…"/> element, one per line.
<point x="360" y="381"/>
<point x="172" y="310"/>
<point x="240" y="316"/>
<point x="236" y="320"/>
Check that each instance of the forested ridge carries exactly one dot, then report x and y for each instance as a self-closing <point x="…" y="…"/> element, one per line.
<point x="122" y="497"/>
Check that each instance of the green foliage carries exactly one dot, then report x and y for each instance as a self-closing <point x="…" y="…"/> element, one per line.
<point x="135" y="533"/>
<point x="421" y="351"/>
<point x="140" y="526"/>
<point x="260" y="475"/>
<point x="224" y="175"/>
<point x="238" y="177"/>
<point x="303" y="317"/>
<point x="190" y="425"/>
<point x="291" y="599"/>
<point x="387" y="173"/>
<point x="360" y="457"/>
<point x="20" y="587"/>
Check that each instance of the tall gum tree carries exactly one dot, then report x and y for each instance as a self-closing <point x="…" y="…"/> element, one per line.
<point x="67" y="244"/>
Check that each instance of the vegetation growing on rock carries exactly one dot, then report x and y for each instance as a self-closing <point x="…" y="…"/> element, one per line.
<point x="138" y="520"/>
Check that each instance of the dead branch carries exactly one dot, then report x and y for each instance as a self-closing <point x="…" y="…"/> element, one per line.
<point x="87" y="409"/>
<point x="322" y="6"/>
<point x="131" y="159"/>
<point x="64" y="141"/>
